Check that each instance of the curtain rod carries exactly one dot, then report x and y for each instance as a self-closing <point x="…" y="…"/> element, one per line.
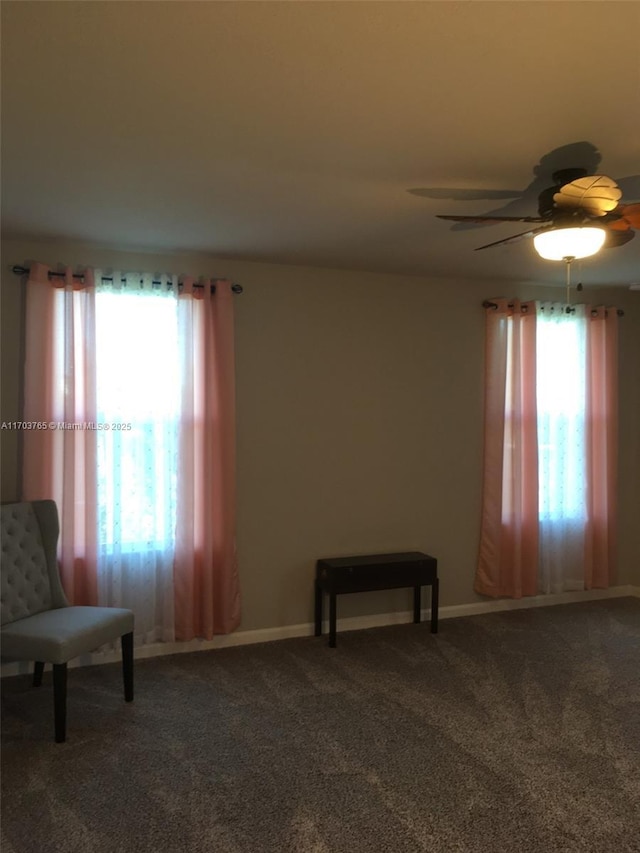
<point x="489" y="304"/>
<point x="18" y="270"/>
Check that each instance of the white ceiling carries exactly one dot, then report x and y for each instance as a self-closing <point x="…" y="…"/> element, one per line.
<point x="293" y="131"/>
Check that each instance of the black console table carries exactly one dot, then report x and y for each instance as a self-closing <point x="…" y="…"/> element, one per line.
<point x="377" y="571"/>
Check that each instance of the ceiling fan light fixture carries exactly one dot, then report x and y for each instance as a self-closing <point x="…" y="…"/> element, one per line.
<point x="557" y="244"/>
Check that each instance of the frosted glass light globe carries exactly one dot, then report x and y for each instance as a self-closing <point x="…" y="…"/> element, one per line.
<point x="560" y="243"/>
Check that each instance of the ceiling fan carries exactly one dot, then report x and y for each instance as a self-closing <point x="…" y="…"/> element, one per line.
<point x="577" y="216"/>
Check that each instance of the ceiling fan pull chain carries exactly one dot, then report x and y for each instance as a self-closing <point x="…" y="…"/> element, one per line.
<point x="568" y="260"/>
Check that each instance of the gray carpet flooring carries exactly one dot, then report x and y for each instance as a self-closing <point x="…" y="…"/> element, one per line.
<point x="515" y="732"/>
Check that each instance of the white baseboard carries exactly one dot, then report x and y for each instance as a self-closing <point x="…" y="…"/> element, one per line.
<point x="354" y="623"/>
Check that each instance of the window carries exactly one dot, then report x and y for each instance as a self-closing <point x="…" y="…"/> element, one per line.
<point x="140" y="370"/>
<point x="138" y="399"/>
<point x="561" y="414"/>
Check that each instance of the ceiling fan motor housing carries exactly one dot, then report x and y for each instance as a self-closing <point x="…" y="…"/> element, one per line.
<point x="565" y="176"/>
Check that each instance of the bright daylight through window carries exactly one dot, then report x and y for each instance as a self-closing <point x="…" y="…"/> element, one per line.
<point x="561" y="407"/>
<point x="138" y="394"/>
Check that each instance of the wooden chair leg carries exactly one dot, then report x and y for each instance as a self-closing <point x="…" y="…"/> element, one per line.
<point x="127" y="665"/>
<point x="38" y="669"/>
<point x="60" y="701"/>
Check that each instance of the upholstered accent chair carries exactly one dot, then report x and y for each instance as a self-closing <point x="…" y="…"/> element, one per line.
<point x="37" y="622"/>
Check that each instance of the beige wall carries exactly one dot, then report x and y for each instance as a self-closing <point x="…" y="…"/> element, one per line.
<point x="359" y="419"/>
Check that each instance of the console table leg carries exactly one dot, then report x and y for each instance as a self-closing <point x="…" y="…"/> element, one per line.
<point x="416" y="603"/>
<point x="434" y="606"/>
<point x="332" y="620"/>
<point x="318" y="610"/>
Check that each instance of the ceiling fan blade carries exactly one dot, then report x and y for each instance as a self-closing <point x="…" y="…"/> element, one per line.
<point x="463" y="195"/>
<point x="492" y="218"/>
<point x="619" y="225"/>
<point x="595" y="194"/>
<point x="513" y="239"/>
<point x="630" y="213"/>
<point x="617" y="238"/>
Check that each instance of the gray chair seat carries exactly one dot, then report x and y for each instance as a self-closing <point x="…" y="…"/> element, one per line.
<point x="57" y="636"/>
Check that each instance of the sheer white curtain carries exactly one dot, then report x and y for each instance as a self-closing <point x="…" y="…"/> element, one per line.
<point x="138" y="410"/>
<point x="562" y="454"/>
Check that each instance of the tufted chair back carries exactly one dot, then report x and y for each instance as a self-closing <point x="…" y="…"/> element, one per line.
<point x="30" y="578"/>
